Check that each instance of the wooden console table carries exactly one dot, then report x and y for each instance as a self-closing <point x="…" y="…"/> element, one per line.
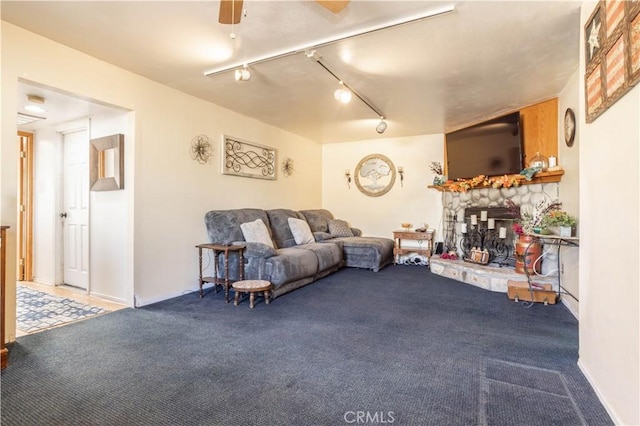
<point x="420" y="237"/>
<point x="4" y="353"/>
<point x="224" y="281"/>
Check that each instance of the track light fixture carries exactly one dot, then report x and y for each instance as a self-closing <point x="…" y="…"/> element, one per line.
<point x="344" y="87"/>
<point x="243" y="74"/>
<point x="341" y="94"/>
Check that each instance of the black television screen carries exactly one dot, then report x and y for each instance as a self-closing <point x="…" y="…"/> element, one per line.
<point x="491" y="148"/>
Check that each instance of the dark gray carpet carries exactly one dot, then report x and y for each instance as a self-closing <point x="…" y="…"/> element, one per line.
<point x="401" y="346"/>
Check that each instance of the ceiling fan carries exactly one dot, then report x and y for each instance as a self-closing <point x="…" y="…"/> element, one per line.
<point x="231" y="10"/>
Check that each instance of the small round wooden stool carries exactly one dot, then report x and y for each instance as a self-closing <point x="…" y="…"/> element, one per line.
<point x="252" y="287"/>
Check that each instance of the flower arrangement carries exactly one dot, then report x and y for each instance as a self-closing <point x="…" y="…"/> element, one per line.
<point x="532" y="220"/>
<point x="451" y="255"/>
<point x="436" y="168"/>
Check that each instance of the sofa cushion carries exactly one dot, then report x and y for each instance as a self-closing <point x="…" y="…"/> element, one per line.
<point x="366" y="252"/>
<point x="339" y="228"/>
<point x="223" y="226"/>
<point x="279" y="224"/>
<point x="256" y="232"/>
<point x="301" y="231"/>
<point x="322" y="236"/>
<point x="318" y="219"/>
<point x="329" y="255"/>
<point x="290" y="264"/>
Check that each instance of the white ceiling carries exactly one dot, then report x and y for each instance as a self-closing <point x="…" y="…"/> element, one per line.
<point x="432" y="76"/>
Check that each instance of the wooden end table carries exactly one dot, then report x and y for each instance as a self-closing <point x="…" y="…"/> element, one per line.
<point x="252" y="287"/>
<point x="219" y="249"/>
<point x="421" y="237"/>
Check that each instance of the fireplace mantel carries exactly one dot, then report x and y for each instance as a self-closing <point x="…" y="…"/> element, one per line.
<point x="541" y="177"/>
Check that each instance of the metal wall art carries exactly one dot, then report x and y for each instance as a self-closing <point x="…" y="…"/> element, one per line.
<point x="287" y="167"/>
<point x="201" y="149"/>
<point x="242" y="158"/>
<point x="612" y="54"/>
<point x="375" y="175"/>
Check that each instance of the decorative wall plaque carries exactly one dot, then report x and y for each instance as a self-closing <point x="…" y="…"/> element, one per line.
<point x="612" y="54"/>
<point x="242" y="158"/>
<point x="375" y="175"/>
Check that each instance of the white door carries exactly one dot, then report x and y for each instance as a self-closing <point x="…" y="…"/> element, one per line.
<point x="75" y="213"/>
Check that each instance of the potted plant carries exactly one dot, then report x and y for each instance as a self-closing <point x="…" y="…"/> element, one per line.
<point x="440" y="178"/>
<point x="562" y="220"/>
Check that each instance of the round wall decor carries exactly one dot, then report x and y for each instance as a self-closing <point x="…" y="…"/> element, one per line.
<point x="375" y="174"/>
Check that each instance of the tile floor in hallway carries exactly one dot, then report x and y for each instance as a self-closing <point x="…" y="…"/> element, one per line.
<point x="73" y="293"/>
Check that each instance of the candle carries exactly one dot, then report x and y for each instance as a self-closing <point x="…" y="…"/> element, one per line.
<point x="463" y="228"/>
<point x="483" y="215"/>
<point x="491" y="224"/>
<point x="503" y="232"/>
<point x="474" y="219"/>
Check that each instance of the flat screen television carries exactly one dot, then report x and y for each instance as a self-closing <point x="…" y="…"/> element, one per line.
<point x="491" y="148"/>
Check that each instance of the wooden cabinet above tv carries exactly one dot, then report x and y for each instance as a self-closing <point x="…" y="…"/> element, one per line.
<point x="540" y="129"/>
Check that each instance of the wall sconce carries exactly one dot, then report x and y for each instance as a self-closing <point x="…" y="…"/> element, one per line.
<point x="401" y="173"/>
<point x="347" y="176"/>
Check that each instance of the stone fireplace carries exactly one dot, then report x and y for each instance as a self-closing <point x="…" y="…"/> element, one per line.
<point x="459" y="206"/>
<point x="458" y="209"/>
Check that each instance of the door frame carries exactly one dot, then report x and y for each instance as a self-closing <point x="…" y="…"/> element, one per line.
<point x="25" y="206"/>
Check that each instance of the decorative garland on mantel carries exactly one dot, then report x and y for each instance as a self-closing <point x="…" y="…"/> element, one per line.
<point x="530" y="175"/>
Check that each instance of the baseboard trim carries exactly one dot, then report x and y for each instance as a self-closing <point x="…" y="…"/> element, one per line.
<point x="139" y="302"/>
<point x="564" y="302"/>
<point x="109" y="298"/>
<point x="599" y="394"/>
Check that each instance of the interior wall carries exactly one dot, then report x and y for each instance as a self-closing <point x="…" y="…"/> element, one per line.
<point x="380" y="216"/>
<point x="569" y="188"/>
<point x="170" y="192"/>
<point x="609" y="241"/>
<point x="108" y="222"/>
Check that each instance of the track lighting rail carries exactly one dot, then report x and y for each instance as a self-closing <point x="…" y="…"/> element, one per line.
<point x="396" y="23"/>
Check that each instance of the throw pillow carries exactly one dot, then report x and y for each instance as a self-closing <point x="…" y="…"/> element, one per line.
<point x="340" y="228"/>
<point x="301" y="231"/>
<point x="256" y="232"/>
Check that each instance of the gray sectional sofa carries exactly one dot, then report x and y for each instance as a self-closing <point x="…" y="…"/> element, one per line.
<point x="288" y="265"/>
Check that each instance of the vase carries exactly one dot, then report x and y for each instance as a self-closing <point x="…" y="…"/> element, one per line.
<point x="528" y="250"/>
<point x="566" y="231"/>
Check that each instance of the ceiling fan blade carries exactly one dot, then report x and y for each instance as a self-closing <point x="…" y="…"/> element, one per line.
<point x="230" y="11"/>
<point x="334" y="5"/>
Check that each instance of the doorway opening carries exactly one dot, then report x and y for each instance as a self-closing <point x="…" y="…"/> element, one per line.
<point x="66" y="230"/>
